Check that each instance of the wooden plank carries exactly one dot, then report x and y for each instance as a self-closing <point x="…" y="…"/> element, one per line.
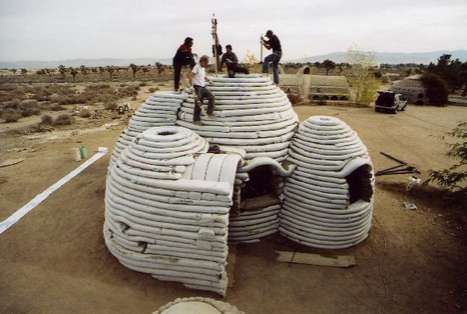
<point x="316" y="259"/>
<point x="259" y="202"/>
<point x="231" y="262"/>
<point x="11" y="162"/>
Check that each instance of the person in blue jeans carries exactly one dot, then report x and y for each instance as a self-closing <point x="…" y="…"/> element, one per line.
<point x="272" y="43"/>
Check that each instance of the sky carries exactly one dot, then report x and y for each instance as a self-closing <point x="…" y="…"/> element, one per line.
<point x="65" y="29"/>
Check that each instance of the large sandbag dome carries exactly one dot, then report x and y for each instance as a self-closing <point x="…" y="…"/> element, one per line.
<point x="329" y="197"/>
<point x="167" y="208"/>
<point x="250" y="112"/>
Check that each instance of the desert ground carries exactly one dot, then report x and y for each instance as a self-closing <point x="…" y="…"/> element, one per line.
<point x="54" y="260"/>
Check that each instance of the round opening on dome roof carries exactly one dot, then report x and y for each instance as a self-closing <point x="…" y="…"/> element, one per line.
<point x="166" y="133"/>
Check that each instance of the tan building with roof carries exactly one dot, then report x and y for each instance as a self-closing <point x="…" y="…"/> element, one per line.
<point x="316" y="88"/>
<point x="412" y="88"/>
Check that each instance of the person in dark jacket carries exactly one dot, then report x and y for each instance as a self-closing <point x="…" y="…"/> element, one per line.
<point x="183" y="57"/>
<point x="229" y="58"/>
<point x="272" y="43"/>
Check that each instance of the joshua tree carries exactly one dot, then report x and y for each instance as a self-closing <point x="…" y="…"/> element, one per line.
<point x="111" y="70"/>
<point x="101" y="71"/>
<point x="145" y="70"/>
<point x="134" y="69"/>
<point x="328" y="65"/>
<point x="83" y="70"/>
<point x="160" y="68"/>
<point x="62" y="70"/>
<point x="73" y="73"/>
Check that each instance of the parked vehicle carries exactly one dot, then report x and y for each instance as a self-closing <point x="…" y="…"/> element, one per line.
<point x="391" y="102"/>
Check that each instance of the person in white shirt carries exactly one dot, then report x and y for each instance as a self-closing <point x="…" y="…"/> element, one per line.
<point x="198" y="80"/>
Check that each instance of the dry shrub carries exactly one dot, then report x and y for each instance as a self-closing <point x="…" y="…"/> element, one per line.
<point x="110" y="106"/>
<point x="153" y="89"/>
<point x="84" y="113"/>
<point x="294" y="98"/>
<point x="46" y="119"/>
<point x="57" y="107"/>
<point x="142" y="84"/>
<point x="12" y="104"/>
<point x="11" y="116"/>
<point x="63" y="119"/>
<point x="29" y="107"/>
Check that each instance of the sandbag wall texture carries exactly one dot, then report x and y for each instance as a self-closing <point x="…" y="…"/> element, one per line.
<point x="167" y="208"/>
<point x="316" y="210"/>
<point x="251" y="112"/>
<point x="160" y="109"/>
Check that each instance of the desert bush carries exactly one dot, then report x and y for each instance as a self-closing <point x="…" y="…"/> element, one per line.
<point x="153" y="89"/>
<point x="110" y="106"/>
<point x="26" y="112"/>
<point x="29" y="107"/>
<point x="57" y="107"/>
<point x="46" y="119"/>
<point x="436" y="89"/>
<point x="11" y="116"/>
<point x="294" y="98"/>
<point x="63" y="119"/>
<point x="84" y="113"/>
<point x="453" y="178"/>
<point x="12" y="104"/>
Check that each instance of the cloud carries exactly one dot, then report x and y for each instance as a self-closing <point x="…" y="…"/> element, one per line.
<point x="54" y="29"/>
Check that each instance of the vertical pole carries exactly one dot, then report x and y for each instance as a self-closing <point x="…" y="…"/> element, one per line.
<point x="261" y="49"/>
<point x="216" y="40"/>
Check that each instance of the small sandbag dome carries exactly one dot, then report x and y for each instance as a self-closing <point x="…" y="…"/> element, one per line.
<point x="328" y="200"/>
<point x="250" y="112"/>
<point x="160" y="109"/>
<point x="198" y="305"/>
<point x="167" y="208"/>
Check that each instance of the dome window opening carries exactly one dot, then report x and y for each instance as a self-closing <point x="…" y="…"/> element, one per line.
<point x="262" y="187"/>
<point x="360" y="186"/>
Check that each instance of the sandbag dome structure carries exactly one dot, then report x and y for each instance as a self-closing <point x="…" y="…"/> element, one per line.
<point x="167" y="208"/>
<point x="251" y="113"/>
<point x="328" y="200"/>
<point x="178" y="192"/>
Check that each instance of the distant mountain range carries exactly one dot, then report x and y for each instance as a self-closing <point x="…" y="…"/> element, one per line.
<point x="36" y="64"/>
<point x="381" y="57"/>
<point x="391" y="57"/>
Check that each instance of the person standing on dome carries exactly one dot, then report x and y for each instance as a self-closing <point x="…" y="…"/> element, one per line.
<point x="198" y="79"/>
<point x="183" y="57"/>
<point x="272" y="43"/>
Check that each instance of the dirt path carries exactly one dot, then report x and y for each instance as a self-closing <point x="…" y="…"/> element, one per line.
<point x="55" y="261"/>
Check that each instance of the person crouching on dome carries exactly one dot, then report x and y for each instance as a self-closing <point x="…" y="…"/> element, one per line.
<point x="198" y="79"/>
<point x="229" y="58"/>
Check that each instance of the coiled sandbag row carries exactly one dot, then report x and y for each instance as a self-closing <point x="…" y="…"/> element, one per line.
<point x="160" y="109"/>
<point x="253" y="224"/>
<point x="317" y="211"/>
<point x="250" y="112"/>
<point x="167" y="208"/>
